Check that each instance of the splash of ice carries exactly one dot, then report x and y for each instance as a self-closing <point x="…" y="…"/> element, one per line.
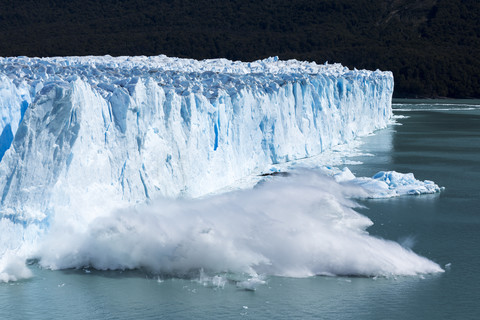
<point x="297" y="226"/>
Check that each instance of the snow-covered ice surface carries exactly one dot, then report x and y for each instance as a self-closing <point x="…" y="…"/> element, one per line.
<point x="86" y="142"/>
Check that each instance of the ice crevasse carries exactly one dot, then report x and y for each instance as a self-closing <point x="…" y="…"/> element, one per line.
<point x="79" y="132"/>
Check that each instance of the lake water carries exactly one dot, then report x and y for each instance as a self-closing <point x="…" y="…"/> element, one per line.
<point x="437" y="140"/>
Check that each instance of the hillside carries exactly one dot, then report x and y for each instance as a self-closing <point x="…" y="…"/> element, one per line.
<point x="430" y="45"/>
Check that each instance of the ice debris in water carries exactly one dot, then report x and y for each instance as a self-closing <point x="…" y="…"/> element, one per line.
<point x="386" y="184"/>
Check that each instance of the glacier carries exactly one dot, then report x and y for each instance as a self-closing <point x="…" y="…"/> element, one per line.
<point x="87" y="142"/>
<point x="135" y="128"/>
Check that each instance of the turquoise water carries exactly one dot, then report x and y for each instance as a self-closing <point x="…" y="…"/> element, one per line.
<point x="437" y="140"/>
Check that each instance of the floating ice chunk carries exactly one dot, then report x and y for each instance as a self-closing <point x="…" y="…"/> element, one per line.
<point x="386" y="184"/>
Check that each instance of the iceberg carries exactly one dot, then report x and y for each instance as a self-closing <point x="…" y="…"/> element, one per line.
<point x="386" y="184"/>
<point x="101" y="132"/>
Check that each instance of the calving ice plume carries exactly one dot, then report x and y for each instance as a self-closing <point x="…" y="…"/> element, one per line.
<point x="86" y="138"/>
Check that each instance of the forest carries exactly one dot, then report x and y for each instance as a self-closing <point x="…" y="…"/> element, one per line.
<point x="431" y="46"/>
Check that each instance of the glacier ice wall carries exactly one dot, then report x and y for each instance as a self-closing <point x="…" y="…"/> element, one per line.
<point x="84" y="132"/>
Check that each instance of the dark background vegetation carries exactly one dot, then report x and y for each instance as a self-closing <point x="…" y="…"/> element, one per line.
<point x="432" y="46"/>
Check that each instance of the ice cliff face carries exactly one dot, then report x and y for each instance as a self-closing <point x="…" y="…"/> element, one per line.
<point x="88" y="130"/>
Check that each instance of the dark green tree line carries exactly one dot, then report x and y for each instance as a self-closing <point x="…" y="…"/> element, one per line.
<point x="430" y="45"/>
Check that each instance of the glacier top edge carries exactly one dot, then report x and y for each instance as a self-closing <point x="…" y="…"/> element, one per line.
<point x="93" y="66"/>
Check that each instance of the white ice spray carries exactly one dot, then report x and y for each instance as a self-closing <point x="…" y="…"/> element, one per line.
<point x="297" y="226"/>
